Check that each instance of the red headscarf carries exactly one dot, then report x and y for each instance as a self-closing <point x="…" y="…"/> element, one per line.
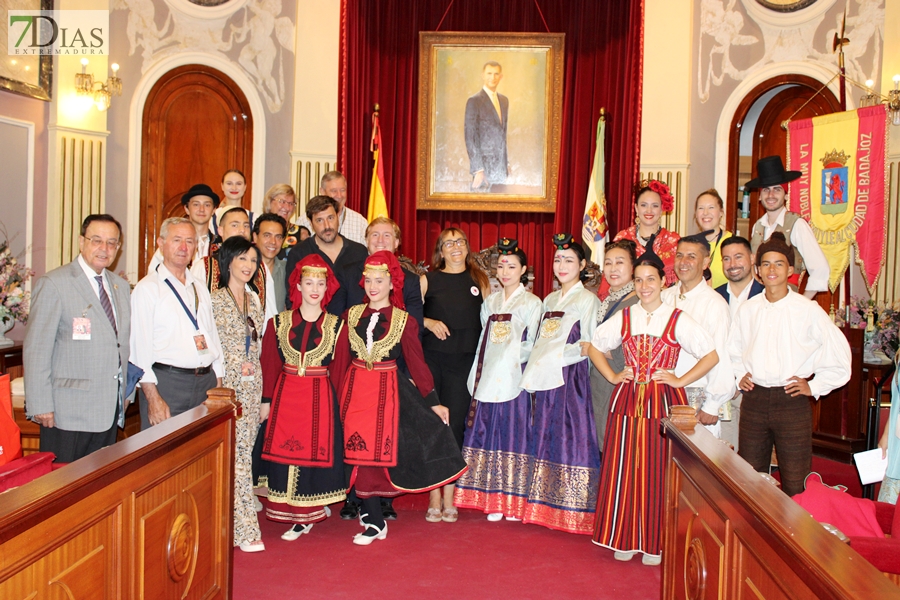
<point x="384" y="258"/>
<point x="312" y="261"/>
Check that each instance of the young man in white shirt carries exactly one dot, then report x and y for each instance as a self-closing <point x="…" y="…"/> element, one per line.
<point x="694" y="296"/>
<point x="784" y="349"/>
<point x="771" y="181"/>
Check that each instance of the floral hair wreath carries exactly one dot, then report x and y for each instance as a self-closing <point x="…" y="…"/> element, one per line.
<point x="665" y="194"/>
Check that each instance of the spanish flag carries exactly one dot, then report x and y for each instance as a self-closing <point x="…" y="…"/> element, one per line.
<point x="377" y="197"/>
<point x="594" y="233"/>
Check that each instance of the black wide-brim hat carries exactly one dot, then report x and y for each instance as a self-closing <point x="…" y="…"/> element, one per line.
<point x="770" y="171"/>
<point x="201" y="189"/>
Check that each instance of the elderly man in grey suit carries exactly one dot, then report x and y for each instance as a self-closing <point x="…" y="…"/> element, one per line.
<point x="76" y="348"/>
<point x="486" y="116"/>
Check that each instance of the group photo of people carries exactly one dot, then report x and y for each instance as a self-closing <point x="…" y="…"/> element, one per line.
<point x="361" y="379"/>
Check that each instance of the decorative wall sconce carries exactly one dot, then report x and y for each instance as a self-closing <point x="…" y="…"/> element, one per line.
<point x="102" y="92"/>
<point x="892" y="99"/>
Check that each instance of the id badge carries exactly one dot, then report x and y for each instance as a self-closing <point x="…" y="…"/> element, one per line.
<point x="248" y="371"/>
<point x="200" y="344"/>
<point x="81" y="328"/>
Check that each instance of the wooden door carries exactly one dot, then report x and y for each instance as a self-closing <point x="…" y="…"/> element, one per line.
<point x="196" y="126"/>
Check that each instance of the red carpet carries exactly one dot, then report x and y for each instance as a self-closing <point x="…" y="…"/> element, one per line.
<point x="471" y="558"/>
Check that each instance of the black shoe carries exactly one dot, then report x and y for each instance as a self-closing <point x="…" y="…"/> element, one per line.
<point x="387" y="509"/>
<point x="350" y="510"/>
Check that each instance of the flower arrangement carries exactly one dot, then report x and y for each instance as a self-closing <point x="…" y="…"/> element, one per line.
<point x="13" y="297"/>
<point x="881" y="322"/>
<point x="667" y="201"/>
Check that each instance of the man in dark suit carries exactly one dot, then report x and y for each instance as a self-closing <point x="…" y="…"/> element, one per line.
<point x="76" y="348"/>
<point x="737" y="263"/>
<point x="487" y="113"/>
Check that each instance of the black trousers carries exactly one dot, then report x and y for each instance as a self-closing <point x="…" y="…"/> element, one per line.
<point x="771" y="416"/>
<point x="451" y="376"/>
<point x="69" y="446"/>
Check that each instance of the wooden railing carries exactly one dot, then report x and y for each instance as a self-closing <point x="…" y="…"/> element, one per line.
<point x="730" y="534"/>
<point x="150" y="517"/>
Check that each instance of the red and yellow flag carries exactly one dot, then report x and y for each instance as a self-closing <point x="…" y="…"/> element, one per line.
<point x="377" y="197"/>
<point x="841" y="192"/>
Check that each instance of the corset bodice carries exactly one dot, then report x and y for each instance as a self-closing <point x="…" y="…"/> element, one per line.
<point x="645" y="353"/>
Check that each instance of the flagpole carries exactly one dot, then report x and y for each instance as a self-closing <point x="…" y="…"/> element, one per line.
<point x="838" y="45"/>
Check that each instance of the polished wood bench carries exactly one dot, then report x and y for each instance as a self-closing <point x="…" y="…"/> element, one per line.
<point x="150" y="517"/>
<point x="730" y="534"/>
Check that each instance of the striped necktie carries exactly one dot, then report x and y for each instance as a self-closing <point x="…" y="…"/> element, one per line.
<point x="106" y="304"/>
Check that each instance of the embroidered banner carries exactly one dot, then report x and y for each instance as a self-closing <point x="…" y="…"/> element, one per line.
<point x="841" y="193"/>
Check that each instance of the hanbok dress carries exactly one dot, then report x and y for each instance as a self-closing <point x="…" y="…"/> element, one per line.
<point x="562" y="493"/>
<point x="498" y="430"/>
<point x="393" y="442"/>
<point x="632" y="480"/>
<point x="303" y="440"/>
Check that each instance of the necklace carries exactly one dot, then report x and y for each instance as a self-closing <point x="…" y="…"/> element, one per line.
<point x="643" y="241"/>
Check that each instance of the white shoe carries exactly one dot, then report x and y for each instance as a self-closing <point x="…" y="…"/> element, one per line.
<point x="257" y="504"/>
<point x="494" y="517"/>
<point x="327" y="512"/>
<point x="651" y="559"/>
<point x="513" y="518"/>
<point x="293" y="533"/>
<point x="364" y="540"/>
<point x="623" y="556"/>
<point x="256" y="546"/>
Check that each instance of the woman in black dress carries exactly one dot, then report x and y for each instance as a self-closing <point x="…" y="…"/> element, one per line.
<point x="453" y="292"/>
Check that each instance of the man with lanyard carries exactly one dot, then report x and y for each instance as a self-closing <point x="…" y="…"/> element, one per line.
<point x="174" y="337"/>
<point x="333" y="247"/>
<point x="784" y="350"/>
<point x="350" y="223"/>
<point x="694" y="296"/>
<point x="770" y="180"/>
<point x="737" y="264"/>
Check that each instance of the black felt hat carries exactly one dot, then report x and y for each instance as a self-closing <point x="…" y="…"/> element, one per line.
<point x="201" y="189"/>
<point x="770" y="171"/>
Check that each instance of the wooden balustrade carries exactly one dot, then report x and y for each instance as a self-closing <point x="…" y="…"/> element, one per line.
<point x="150" y="517"/>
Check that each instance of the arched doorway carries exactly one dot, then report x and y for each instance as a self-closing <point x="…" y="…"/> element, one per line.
<point x="756" y="132"/>
<point x="196" y="124"/>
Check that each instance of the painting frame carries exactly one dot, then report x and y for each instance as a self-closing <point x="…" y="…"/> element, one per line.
<point x="445" y="162"/>
<point x="41" y="88"/>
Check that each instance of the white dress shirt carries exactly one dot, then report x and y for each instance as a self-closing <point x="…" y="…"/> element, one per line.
<point x="774" y="341"/>
<point x="508" y="344"/>
<point x="804" y="240"/>
<point x="271" y="308"/>
<point x="707" y="307"/>
<point x="735" y="301"/>
<point x="352" y="225"/>
<point x="692" y="338"/>
<point x="91" y="275"/>
<point x="161" y="332"/>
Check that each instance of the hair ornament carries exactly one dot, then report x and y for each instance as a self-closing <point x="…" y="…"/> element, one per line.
<point x="563" y="241"/>
<point x="507" y="246"/>
<point x="665" y="194"/>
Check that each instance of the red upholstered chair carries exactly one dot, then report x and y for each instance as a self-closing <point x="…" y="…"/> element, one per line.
<point x="883" y="553"/>
<point x="22" y="470"/>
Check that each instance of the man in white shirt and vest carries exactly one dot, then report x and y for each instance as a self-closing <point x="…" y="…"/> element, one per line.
<point x="784" y="350"/>
<point x="174" y="338"/>
<point x="771" y="180"/>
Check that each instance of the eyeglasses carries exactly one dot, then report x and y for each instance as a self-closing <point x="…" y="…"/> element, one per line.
<point x="459" y="243"/>
<point x="97" y="242"/>
<point x="284" y="202"/>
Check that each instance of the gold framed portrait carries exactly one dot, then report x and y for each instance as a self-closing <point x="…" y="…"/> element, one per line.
<point x="490" y="107"/>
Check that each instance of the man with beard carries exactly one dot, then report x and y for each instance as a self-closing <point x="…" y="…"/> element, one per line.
<point x="737" y="264"/>
<point x="334" y="248"/>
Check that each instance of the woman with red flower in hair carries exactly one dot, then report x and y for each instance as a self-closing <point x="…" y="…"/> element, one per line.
<point x="652" y="199"/>
<point x="303" y="441"/>
<point x="396" y="438"/>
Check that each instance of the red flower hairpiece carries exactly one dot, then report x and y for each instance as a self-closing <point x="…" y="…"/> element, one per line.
<point x="665" y="195"/>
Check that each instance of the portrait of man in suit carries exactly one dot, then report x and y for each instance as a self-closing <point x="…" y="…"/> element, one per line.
<point x="77" y="347"/>
<point x="487" y="113"/>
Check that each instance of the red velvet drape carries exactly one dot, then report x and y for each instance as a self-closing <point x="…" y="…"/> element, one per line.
<point x="379" y="64"/>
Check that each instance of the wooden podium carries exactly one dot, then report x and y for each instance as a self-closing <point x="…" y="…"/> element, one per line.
<point x="150" y="517"/>
<point x="728" y="533"/>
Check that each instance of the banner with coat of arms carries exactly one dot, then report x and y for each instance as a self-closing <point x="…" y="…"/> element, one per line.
<point x="842" y="190"/>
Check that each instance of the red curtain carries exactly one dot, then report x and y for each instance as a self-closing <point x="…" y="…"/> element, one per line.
<point x="379" y="64"/>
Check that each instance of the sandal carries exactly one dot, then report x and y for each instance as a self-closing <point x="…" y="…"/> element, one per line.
<point x="433" y="515"/>
<point x="450" y="515"/>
